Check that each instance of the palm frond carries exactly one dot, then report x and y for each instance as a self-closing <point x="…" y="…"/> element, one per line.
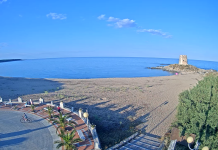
<point x="56" y="116"/>
<point x="74" y="147"/>
<point x="73" y="122"/>
<point x="77" y="140"/>
<point x="60" y="145"/>
<point x="73" y="133"/>
<point x="56" y="121"/>
<point x="58" y="128"/>
<point x="62" y="132"/>
<point x="71" y="126"/>
<point x="58" y="142"/>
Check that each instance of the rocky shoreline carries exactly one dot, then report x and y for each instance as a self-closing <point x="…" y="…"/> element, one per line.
<point x="183" y="68"/>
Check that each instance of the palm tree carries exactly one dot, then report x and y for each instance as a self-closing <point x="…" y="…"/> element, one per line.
<point x="32" y="107"/>
<point x="68" y="140"/>
<point x="63" y="123"/>
<point x="50" y="111"/>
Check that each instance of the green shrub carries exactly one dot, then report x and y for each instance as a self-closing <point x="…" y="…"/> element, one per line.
<point x="198" y="112"/>
<point x="61" y="96"/>
<point x="46" y="92"/>
<point x="181" y="147"/>
<point x="32" y="107"/>
<point x="211" y="74"/>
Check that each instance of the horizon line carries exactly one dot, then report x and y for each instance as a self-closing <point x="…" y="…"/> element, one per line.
<point x="104" y="57"/>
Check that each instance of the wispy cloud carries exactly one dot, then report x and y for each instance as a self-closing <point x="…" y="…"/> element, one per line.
<point x="156" y="32"/>
<point x="101" y="17"/>
<point x="118" y="23"/>
<point x="121" y="23"/>
<point x="112" y="19"/>
<point x="20" y="15"/>
<point x="128" y="23"/>
<point x="2" y="1"/>
<point x="125" y="23"/>
<point x="57" y="16"/>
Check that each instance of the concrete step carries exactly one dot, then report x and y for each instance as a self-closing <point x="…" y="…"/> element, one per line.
<point x="150" y="138"/>
<point x="147" y="141"/>
<point x="144" y="145"/>
<point x="135" y="147"/>
<point x="125" y="148"/>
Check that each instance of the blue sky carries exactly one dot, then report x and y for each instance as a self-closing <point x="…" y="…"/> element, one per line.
<point x="32" y="29"/>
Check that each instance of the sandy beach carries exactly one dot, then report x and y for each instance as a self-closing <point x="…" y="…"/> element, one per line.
<point x="115" y="105"/>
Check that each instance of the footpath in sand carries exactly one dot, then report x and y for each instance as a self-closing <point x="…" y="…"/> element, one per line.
<point x="111" y="102"/>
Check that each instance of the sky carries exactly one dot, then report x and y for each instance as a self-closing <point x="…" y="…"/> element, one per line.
<point x="32" y="29"/>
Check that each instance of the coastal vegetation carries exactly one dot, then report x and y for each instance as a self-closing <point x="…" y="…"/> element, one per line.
<point x="197" y="112"/>
<point x="211" y="74"/>
<point x="177" y="67"/>
<point x="50" y="111"/>
<point x="62" y="122"/>
<point x="68" y="140"/>
<point x="46" y="92"/>
<point x="61" y="96"/>
<point x="32" y="107"/>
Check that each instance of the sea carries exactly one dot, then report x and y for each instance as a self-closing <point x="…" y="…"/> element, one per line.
<point x="93" y="67"/>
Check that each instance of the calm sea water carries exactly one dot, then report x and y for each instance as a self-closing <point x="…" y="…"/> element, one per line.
<point x="86" y="68"/>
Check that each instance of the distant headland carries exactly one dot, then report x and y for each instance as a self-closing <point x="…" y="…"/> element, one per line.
<point x="7" y="60"/>
<point x="183" y="66"/>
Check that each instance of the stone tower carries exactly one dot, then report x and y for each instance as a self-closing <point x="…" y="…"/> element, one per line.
<point x="183" y="60"/>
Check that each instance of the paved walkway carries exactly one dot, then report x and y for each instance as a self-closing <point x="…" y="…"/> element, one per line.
<point x="19" y="136"/>
<point x="12" y="127"/>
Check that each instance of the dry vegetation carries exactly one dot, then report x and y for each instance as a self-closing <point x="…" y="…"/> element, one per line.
<point x="185" y="68"/>
<point x="211" y="74"/>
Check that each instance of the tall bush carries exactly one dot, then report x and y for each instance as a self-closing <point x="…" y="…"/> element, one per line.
<point x="197" y="112"/>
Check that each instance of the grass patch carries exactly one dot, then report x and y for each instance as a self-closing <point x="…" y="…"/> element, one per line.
<point x="138" y="88"/>
<point x="211" y="74"/>
<point x="114" y="89"/>
<point x="46" y="92"/>
<point x="61" y="96"/>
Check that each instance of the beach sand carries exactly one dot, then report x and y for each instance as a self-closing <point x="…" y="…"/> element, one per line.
<point x="114" y="104"/>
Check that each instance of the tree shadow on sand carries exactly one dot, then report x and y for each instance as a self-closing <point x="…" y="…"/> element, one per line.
<point x="113" y="124"/>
